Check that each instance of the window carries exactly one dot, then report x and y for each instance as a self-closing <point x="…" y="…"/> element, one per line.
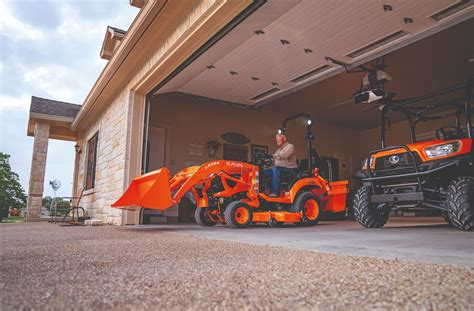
<point x="91" y="159"/>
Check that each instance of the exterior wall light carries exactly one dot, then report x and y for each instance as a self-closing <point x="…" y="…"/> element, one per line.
<point x="77" y="148"/>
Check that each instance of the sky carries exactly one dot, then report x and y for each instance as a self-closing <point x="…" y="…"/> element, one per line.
<point x="50" y="49"/>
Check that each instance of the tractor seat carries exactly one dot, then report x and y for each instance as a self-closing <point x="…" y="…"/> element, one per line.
<point x="286" y="179"/>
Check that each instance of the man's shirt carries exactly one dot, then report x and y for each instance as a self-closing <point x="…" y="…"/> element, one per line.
<point x="285" y="156"/>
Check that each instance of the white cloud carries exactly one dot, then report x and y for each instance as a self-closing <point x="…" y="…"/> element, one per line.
<point x="55" y="80"/>
<point x="10" y="103"/>
<point x="73" y="25"/>
<point x="14" y="28"/>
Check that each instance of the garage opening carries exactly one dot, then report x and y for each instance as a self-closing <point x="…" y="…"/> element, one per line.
<point x="280" y="61"/>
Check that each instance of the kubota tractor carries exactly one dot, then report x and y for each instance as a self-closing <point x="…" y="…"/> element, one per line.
<point x="233" y="193"/>
<point x="431" y="174"/>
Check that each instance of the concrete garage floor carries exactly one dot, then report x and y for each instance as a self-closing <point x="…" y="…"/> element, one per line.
<point x="427" y="239"/>
<point x="48" y="267"/>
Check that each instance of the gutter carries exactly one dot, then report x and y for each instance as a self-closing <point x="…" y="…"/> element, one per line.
<point x="41" y="116"/>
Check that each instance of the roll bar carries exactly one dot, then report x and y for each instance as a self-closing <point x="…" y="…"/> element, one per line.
<point x="415" y="117"/>
<point x="309" y="136"/>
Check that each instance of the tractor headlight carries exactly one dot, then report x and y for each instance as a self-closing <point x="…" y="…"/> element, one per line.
<point x="442" y="150"/>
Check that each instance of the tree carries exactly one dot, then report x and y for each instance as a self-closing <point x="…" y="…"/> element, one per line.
<point x="46" y="202"/>
<point x="11" y="191"/>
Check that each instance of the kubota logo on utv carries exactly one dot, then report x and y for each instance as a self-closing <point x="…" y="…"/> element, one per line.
<point x="394" y="159"/>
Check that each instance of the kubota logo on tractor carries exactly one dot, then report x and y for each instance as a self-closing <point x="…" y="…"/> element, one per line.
<point x="234" y="164"/>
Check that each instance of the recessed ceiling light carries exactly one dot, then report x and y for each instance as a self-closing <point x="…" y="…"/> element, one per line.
<point x="387" y="8"/>
<point x="259" y="32"/>
<point x="284" y="42"/>
<point x="408" y="20"/>
<point x="233" y="73"/>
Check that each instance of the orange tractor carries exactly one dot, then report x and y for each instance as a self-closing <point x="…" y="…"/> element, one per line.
<point x="234" y="193"/>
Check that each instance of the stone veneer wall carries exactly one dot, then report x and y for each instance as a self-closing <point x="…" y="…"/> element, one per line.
<point x="112" y="125"/>
<point x="110" y="165"/>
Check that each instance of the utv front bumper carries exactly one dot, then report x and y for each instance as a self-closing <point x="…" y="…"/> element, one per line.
<point x="408" y="185"/>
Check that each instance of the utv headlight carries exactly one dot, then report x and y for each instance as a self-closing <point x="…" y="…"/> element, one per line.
<point x="442" y="150"/>
<point x="364" y="163"/>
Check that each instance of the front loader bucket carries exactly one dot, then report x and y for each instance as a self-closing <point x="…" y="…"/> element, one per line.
<point x="151" y="190"/>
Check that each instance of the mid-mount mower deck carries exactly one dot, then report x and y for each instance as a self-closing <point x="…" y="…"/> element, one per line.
<point x="233" y="193"/>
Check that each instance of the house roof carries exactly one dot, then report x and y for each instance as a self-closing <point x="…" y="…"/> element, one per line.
<point x="109" y="45"/>
<point x="53" y="107"/>
<point x="117" y="30"/>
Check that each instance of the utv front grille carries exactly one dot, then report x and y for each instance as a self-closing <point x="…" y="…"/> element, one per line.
<point x="395" y="164"/>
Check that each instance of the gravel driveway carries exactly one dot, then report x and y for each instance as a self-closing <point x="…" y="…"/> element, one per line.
<point x="45" y="266"/>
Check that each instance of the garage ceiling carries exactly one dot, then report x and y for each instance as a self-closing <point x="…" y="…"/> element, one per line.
<point x="429" y="65"/>
<point x="282" y="47"/>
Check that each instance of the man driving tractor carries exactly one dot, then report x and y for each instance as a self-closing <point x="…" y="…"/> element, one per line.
<point x="284" y="163"/>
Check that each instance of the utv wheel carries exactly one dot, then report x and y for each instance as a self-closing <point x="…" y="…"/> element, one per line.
<point x="366" y="213"/>
<point x="201" y="214"/>
<point x="238" y="215"/>
<point x="460" y="203"/>
<point x="307" y="203"/>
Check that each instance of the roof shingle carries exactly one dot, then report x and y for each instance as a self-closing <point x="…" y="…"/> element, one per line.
<point x="53" y="107"/>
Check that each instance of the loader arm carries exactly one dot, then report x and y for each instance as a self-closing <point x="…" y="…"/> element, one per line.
<point x="156" y="190"/>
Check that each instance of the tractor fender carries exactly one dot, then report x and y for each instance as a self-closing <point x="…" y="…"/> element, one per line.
<point x="306" y="183"/>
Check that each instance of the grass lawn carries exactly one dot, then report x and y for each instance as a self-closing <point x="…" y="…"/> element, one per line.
<point x="13" y="219"/>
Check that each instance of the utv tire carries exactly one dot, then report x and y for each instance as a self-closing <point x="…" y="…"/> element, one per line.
<point x="238" y="215"/>
<point x="366" y="213"/>
<point x="201" y="214"/>
<point x="460" y="203"/>
<point x="307" y="203"/>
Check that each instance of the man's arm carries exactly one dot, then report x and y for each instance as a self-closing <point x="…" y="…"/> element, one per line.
<point x="285" y="153"/>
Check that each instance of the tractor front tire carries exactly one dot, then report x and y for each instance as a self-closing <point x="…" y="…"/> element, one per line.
<point x="201" y="214"/>
<point x="366" y="214"/>
<point x="307" y="203"/>
<point x="460" y="203"/>
<point x="238" y="215"/>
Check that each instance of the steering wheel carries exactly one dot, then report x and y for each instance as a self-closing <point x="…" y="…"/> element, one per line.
<point x="263" y="159"/>
<point x="448" y="132"/>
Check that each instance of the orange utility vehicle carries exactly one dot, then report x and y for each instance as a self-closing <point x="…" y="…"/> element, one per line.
<point x="233" y="193"/>
<point x="431" y="174"/>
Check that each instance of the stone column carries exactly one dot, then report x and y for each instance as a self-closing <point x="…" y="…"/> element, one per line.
<point x="38" y="168"/>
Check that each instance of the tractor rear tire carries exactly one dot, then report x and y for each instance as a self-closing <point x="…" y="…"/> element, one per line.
<point x="366" y="213"/>
<point x="201" y="214"/>
<point x="307" y="203"/>
<point x="460" y="203"/>
<point x="238" y="215"/>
